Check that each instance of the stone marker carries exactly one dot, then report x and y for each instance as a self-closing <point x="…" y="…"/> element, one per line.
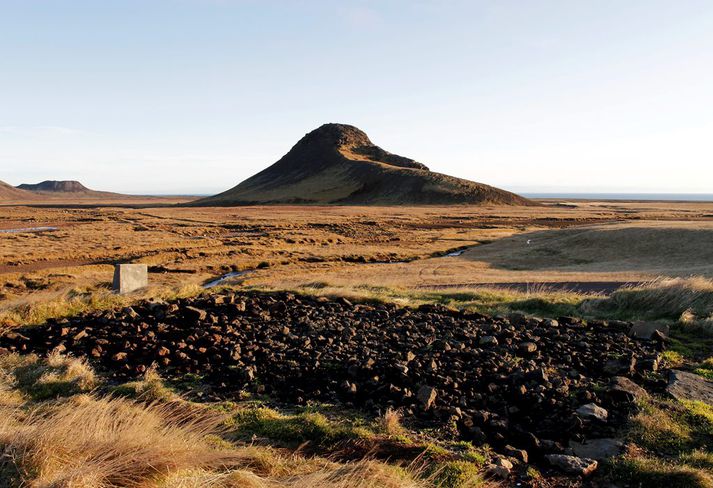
<point x="130" y="277"/>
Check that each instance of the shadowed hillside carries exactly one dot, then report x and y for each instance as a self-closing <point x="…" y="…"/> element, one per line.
<point x="338" y="164"/>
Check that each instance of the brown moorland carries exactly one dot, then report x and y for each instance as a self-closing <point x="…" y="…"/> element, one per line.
<point x="56" y="261"/>
<point x="350" y="246"/>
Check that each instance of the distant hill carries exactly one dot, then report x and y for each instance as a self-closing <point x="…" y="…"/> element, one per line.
<point x="10" y="193"/>
<point x="56" y="187"/>
<point x="52" y="192"/>
<point x="338" y="164"/>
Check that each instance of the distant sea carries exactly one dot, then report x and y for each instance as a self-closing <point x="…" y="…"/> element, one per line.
<point x="686" y="197"/>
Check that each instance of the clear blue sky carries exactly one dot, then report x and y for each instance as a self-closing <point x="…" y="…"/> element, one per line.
<point x="192" y="96"/>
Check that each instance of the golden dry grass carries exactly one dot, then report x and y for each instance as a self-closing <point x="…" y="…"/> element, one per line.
<point x="90" y="441"/>
<point x="390" y="423"/>
<point x="621" y="252"/>
<point x="79" y="301"/>
<point x="304" y="244"/>
<point x="106" y="443"/>
<point x="690" y="298"/>
<point x="111" y="442"/>
<point x="28" y="376"/>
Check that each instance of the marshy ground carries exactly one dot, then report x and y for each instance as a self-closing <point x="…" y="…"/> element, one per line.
<point x="523" y="264"/>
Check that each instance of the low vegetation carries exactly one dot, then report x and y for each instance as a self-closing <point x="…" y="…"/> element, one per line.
<point x="689" y="300"/>
<point x="78" y="301"/>
<point x="670" y="446"/>
<point x="82" y="433"/>
<point x="100" y="441"/>
<point x="62" y="426"/>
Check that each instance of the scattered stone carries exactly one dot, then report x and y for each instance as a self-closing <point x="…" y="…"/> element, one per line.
<point x="620" y="366"/>
<point x="572" y="464"/>
<point x="194" y="313"/>
<point x="488" y="341"/>
<point x="593" y="411"/>
<point x="435" y="364"/>
<point x="646" y="330"/>
<point x="598" y="449"/>
<point x="426" y="396"/>
<point x="519" y="454"/>
<point x="496" y="471"/>
<point x="527" y="348"/>
<point x="689" y="386"/>
<point x="625" y="389"/>
<point x="650" y="363"/>
<point x="119" y="356"/>
<point x="502" y="462"/>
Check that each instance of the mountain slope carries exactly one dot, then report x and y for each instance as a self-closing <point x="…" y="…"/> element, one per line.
<point x="10" y="193"/>
<point x="338" y="164"/>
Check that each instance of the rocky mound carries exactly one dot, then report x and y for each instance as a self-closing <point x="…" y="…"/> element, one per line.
<point x="56" y="187"/>
<point x="338" y="164"/>
<point x="528" y="387"/>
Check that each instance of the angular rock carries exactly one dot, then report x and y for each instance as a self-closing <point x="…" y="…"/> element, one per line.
<point x="426" y="396"/>
<point x="519" y="454"/>
<point x="499" y="472"/>
<point x="646" y="330"/>
<point x="527" y="348"/>
<point x="622" y="366"/>
<point x="688" y="386"/>
<point x="593" y="411"/>
<point x="624" y="389"/>
<point x="194" y="313"/>
<point x="598" y="449"/>
<point x="572" y="464"/>
<point x="488" y="341"/>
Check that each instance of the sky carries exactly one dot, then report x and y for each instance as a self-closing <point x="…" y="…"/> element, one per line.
<point x="193" y="96"/>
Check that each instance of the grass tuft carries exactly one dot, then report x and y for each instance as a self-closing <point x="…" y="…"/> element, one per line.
<point x="151" y="388"/>
<point x="458" y="474"/>
<point x="56" y="376"/>
<point x="656" y="473"/>
<point x="292" y="429"/>
<point x="80" y="301"/>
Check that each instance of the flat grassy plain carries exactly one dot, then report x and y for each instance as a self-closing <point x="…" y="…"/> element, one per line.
<point x="562" y="258"/>
<point x="350" y="247"/>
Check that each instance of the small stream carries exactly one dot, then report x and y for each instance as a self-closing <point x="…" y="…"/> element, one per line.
<point x="455" y="253"/>
<point x="225" y="278"/>
<point x="235" y="274"/>
<point x="20" y="230"/>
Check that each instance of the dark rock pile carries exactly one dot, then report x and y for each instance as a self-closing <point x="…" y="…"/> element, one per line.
<point x="526" y="386"/>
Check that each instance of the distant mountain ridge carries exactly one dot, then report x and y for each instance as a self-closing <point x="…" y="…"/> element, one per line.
<point x="53" y="192"/>
<point x="338" y="164"/>
<point x="68" y="186"/>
